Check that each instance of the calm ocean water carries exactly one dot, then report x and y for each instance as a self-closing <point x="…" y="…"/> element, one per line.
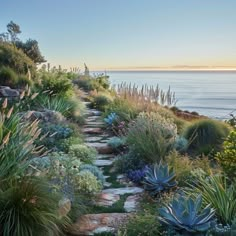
<point x="209" y="93"/>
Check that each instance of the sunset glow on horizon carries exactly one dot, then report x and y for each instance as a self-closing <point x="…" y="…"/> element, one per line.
<point x="130" y="35"/>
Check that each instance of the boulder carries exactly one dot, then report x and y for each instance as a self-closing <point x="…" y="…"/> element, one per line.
<point x="8" y="92"/>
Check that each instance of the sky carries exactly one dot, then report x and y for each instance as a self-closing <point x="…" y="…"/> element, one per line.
<point x="128" y="34"/>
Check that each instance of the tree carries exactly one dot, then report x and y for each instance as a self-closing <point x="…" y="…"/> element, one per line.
<point x="13" y="29"/>
<point x="31" y="49"/>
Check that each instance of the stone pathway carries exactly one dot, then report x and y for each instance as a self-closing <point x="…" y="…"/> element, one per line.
<point x="90" y="224"/>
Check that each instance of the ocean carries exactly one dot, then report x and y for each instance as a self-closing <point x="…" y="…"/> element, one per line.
<point x="210" y="93"/>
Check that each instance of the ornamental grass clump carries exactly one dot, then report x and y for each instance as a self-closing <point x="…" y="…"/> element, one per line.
<point x="222" y="196"/>
<point x="151" y="136"/>
<point x="206" y="135"/>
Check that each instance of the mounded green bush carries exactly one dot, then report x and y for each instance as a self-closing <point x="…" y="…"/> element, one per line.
<point x="85" y="153"/>
<point x="23" y="81"/>
<point x="152" y="136"/>
<point x="227" y="158"/>
<point x="100" y="102"/>
<point x="206" y="135"/>
<point x="11" y="56"/>
<point x="8" y="77"/>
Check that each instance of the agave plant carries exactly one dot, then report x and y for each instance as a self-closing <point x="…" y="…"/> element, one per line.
<point x="159" y="178"/>
<point x="185" y="214"/>
<point x="110" y="118"/>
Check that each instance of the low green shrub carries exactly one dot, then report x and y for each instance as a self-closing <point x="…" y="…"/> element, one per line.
<point x="116" y="142"/>
<point x="100" y="102"/>
<point x="8" y="77"/>
<point x="85" y="153"/>
<point x="152" y="136"/>
<point x="57" y="83"/>
<point x="23" y="81"/>
<point x="86" y="182"/>
<point x="206" y="135"/>
<point x="95" y="171"/>
<point x="227" y="157"/>
<point x="129" y="161"/>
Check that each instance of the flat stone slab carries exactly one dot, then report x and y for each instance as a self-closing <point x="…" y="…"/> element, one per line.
<point x="101" y="162"/>
<point x="92" y="130"/>
<point x="105" y="156"/>
<point x="102" y="148"/>
<point x="98" y="223"/>
<point x="93" y="118"/>
<point x="107" y="199"/>
<point x="94" y="112"/>
<point x="131" y="203"/>
<point x="93" y="138"/>
<point x="95" y="123"/>
<point x="122" y="191"/>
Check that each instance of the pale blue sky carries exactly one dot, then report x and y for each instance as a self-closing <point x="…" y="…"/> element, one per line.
<point x="128" y="33"/>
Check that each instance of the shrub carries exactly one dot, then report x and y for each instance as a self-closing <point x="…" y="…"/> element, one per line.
<point x="205" y="135"/>
<point x="129" y="161"/>
<point x="181" y="144"/>
<point x="182" y="166"/>
<point x="137" y="176"/>
<point x="95" y="171"/>
<point x="8" y="77"/>
<point x="142" y="224"/>
<point x="227" y="158"/>
<point x="86" y="182"/>
<point x="219" y="194"/>
<point x="116" y="142"/>
<point x="151" y="136"/>
<point x="12" y="57"/>
<point x="28" y="208"/>
<point x="122" y="109"/>
<point x="85" y="153"/>
<point x="100" y="102"/>
<point x="23" y="81"/>
<point x="56" y="83"/>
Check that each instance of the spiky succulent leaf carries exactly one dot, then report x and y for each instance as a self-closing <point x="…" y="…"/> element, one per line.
<point x="159" y="178"/>
<point x="185" y="213"/>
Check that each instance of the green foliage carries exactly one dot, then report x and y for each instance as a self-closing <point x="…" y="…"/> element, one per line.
<point x="28" y="208"/>
<point x="100" y="102"/>
<point x="159" y="178"/>
<point x="17" y="140"/>
<point x="216" y="191"/>
<point x="129" y="161"/>
<point x="206" y="135"/>
<point x="85" y="153"/>
<point x="13" y="29"/>
<point x="65" y="106"/>
<point x="57" y="83"/>
<point x="227" y="158"/>
<point x="152" y="136"/>
<point x="95" y="171"/>
<point x="23" y="81"/>
<point x="141" y="224"/>
<point x="8" y="77"/>
<point x="186" y="215"/>
<point x="31" y="49"/>
<point x="122" y="109"/>
<point x="116" y="142"/>
<point x="86" y="182"/>
<point x="12" y="57"/>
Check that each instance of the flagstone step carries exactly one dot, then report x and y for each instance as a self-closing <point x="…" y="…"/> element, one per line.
<point x="100" y="162"/>
<point x="122" y="191"/>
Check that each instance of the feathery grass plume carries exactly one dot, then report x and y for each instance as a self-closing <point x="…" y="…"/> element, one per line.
<point x="4" y="104"/>
<point x="22" y="95"/>
<point x="10" y="112"/>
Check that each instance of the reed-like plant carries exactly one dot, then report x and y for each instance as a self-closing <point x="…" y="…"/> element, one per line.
<point x="27" y="207"/>
<point x="16" y="142"/>
<point x="146" y="94"/>
<point x="216" y="191"/>
<point x="151" y="136"/>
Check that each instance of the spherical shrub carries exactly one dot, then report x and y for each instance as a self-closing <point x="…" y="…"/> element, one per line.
<point x="206" y="135"/>
<point x="95" y="171"/>
<point x="86" y="182"/>
<point x="85" y="153"/>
